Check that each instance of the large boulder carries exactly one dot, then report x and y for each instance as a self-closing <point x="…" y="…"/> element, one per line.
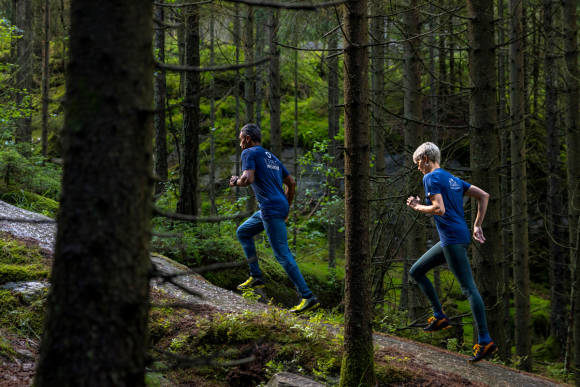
<point x="286" y="379"/>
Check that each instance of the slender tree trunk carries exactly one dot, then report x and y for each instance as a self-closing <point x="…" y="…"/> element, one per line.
<point x="23" y="76"/>
<point x="505" y="203"/>
<point x="558" y="265"/>
<point x="250" y="80"/>
<point x="160" y="92"/>
<point x="96" y="323"/>
<point x="295" y="145"/>
<point x="413" y="106"/>
<point x="213" y="208"/>
<point x="570" y="18"/>
<point x="237" y="43"/>
<point x="274" y="86"/>
<point x="378" y="134"/>
<point x="333" y="118"/>
<point x="485" y="159"/>
<point x="45" y="75"/>
<point x="261" y="21"/>
<point x="188" y="183"/>
<point x="520" y="241"/>
<point x="358" y="361"/>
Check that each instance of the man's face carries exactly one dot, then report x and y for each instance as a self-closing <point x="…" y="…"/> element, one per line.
<point x="245" y="141"/>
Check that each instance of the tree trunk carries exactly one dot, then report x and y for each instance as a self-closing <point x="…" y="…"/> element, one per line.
<point x="558" y="265"/>
<point x="413" y="107"/>
<point x="160" y="92"/>
<point x="570" y="17"/>
<point x="261" y="21"/>
<point x="505" y="262"/>
<point x="212" y="194"/>
<point x="520" y="240"/>
<point x="23" y="77"/>
<point x="274" y="86"/>
<point x="333" y="128"/>
<point x="358" y="361"/>
<point x="237" y="43"/>
<point x="45" y="75"/>
<point x="96" y="323"/>
<point x="484" y="159"/>
<point x="250" y="80"/>
<point x="188" y="182"/>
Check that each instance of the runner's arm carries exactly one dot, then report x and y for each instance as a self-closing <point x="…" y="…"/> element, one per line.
<point x="245" y="180"/>
<point x="482" y="198"/>
<point x="437" y="206"/>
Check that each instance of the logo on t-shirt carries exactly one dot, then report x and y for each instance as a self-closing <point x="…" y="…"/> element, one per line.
<point x="269" y="155"/>
<point x="271" y="163"/>
<point x="455" y="186"/>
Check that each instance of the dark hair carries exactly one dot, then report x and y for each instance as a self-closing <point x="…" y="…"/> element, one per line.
<point x="253" y="131"/>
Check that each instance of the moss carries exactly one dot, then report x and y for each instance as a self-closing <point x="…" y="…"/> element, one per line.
<point x="16" y="273"/>
<point x="13" y="252"/>
<point x="6" y="350"/>
<point x="31" y="201"/>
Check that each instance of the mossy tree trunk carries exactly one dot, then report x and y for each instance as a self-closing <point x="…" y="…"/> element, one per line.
<point x="358" y="361"/>
<point x="189" y="169"/>
<point x="96" y="323"/>
<point x="485" y="160"/>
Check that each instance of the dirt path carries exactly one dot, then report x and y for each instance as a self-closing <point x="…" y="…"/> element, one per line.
<point x="423" y="355"/>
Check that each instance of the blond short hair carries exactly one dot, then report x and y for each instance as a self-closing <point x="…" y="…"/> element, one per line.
<point x="428" y="149"/>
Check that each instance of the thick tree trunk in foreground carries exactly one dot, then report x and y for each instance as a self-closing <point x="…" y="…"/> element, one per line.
<point x="485" y="161"/>
<point x="96" y="323"/>
<point x="189" y="168"/>
<point x="520" y="241"/>
<point x="573" y="160"/>
<point x="358" y="362"/>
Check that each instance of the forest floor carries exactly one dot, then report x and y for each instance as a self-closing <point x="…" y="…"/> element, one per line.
<point x="431" y="366"/>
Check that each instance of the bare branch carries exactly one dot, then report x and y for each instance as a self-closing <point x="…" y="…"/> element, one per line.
<point x="294" y="7"/>
<point x="179" y="68"/>
<point x="201" y="219"/>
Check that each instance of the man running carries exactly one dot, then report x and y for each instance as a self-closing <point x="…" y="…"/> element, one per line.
<point x="266" y="174"/>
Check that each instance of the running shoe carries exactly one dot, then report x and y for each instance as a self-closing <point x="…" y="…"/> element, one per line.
<point x="435" y="324"/>
<point x="252" y="283"/>
<point x="306" y="304"/>
<point x="481" y="351"/>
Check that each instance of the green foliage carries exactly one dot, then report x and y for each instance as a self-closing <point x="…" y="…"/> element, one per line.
<point x="6" y="350"/>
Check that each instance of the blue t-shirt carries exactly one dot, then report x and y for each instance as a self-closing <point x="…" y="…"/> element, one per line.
<point x="268" y="176"/>
<point x="451" y="226"/>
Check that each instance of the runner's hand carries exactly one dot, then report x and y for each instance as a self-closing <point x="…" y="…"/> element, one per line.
<point x="233" y="180"/>
<point x="478" y="234"/>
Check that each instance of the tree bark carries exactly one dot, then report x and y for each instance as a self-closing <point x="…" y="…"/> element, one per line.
<point x="520" y="240"/>
<point x="558" y="265"/>
<point x="45" y="75"/>
<point x="485" y="159"/>
<point x="188" y="183"/>
<point x="212" y="193"/>
<point x="261" y="21"/>
<point x="23" y="77"/>
<point x="505" y="261"/>
<point x="333" y="129"/>
<point x="274" y="86"/>
<point x="160" y="92"/>
<point x="413" y="106"/>
<point x="250" y="80"/>
<point x="358" y="361"/>
<point x="96" y="323"/>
